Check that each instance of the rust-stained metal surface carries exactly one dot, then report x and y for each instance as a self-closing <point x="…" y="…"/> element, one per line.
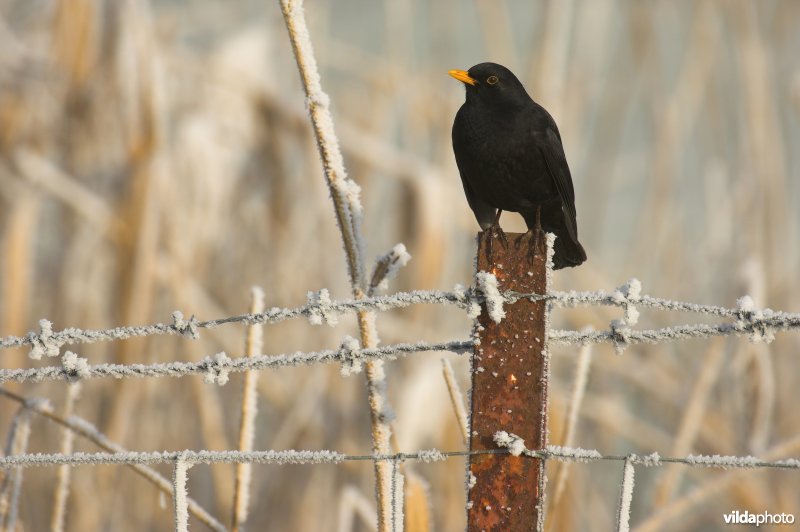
<point x="509" y="392"/>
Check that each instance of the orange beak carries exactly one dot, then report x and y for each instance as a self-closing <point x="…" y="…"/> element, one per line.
<point x="462" y="76"/>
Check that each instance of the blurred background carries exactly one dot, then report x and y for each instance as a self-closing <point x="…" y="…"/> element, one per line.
<point x="157" y="156"/>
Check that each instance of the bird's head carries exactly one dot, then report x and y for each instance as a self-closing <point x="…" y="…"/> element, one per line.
<point x="492" y="84"/>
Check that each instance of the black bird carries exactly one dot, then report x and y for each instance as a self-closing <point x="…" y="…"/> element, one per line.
<point x="509" y="153"/>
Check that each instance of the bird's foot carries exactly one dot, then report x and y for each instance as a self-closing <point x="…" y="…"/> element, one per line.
<point x="494" y="232"/>
<point x="535" y="242"/>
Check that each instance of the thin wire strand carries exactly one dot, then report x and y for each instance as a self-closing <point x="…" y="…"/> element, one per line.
<point x="318" y="312"/>
<point x="300" y="457"/>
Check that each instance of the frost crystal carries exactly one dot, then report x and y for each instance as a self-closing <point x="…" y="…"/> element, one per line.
<point x="648" y="460"/>
<point x="514" y="444"/>
<point x="745" y="304"/>
<point x="573" y="453"/>
<point x="749" y="317"/>
<point x="431" y="455"/>
<point x="464" y="296"/>
<point x="185" y="328"/>
<point x="44" y="343"/>
<point x="218" y="370"/>
<point x="487" y="284"/>
<point x="319" y="308"/>
<point x="352" y="362"/>
<point x="76" y="367"/>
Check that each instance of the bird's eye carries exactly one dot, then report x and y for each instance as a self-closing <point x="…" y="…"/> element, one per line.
<point x="491" y="80"/>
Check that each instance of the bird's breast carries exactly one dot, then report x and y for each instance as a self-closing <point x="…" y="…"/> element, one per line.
<point x="500" y="161"/>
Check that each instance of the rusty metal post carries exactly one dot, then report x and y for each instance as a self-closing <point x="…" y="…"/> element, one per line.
<point x="509" y="392"/>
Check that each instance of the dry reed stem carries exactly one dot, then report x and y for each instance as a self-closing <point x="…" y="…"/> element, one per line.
<point x="11" y="485"/>
<point x="58" y="519"/>
<point x="344" y="194"/>
<point x="417" y="503"/>
<point x="579" y="382"/>
<point x="353" y="503"/>
<point x="85" y="202"/>
<point x="253" y="346"/>
<point x="457" y="399"/>
<point x="692" y="419"/>
<point x="16" y="260"/>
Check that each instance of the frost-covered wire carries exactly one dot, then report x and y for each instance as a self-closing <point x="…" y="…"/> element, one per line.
<point x="307" y="457"/>
<point x="217" y="369"/>
<point x="48" y="342"/>
<point x="760" y="324"/>
<point x="758" y="330"/>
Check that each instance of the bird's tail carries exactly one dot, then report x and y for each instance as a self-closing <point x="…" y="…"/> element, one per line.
<point x="568" y="252"/>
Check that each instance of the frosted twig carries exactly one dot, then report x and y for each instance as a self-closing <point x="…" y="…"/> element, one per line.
<point x="254" y="345"/>
<point x="625" y="498"/>
<point x="224" y="365"/>
<point x="579" y="382"/>
<point x="344" y="191"/>
<point x="11" y="486"/>
<point x="64" y="471"/>
<point x="387" y="266"/>
<point x="180" y="494"/>
<point x="398" y="488"/>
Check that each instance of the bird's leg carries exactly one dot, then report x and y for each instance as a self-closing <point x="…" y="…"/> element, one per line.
<point x="532" y="236"/>
<point x="495" y="231"/>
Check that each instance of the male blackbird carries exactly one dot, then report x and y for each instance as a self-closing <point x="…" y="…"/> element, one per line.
<point x="508" y="150"/>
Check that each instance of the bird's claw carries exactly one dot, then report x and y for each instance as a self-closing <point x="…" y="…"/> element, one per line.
<point x="494" y="232"/>
<point x="533" y="237"/>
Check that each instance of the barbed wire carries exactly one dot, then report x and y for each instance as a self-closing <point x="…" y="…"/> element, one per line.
<point x="217" y="368"/>
<point x="308" y="457"/>
<point x="743" y="320"/>
<point x="761" y="323"/>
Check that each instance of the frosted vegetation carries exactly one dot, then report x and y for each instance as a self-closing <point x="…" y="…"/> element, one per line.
<point x="158" y="155"/>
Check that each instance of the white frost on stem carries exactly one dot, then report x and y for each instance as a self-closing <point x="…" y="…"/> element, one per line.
<point x="625" y="498"/>
<point x="180" y="494"/>
<point x="387" y="266"/>
<point x="254" y="345"/>
<point x="344" y="191"/>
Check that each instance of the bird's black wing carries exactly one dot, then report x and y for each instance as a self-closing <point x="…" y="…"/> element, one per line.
<point x="549" y="144"/>
<point x="469" y="168"/>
